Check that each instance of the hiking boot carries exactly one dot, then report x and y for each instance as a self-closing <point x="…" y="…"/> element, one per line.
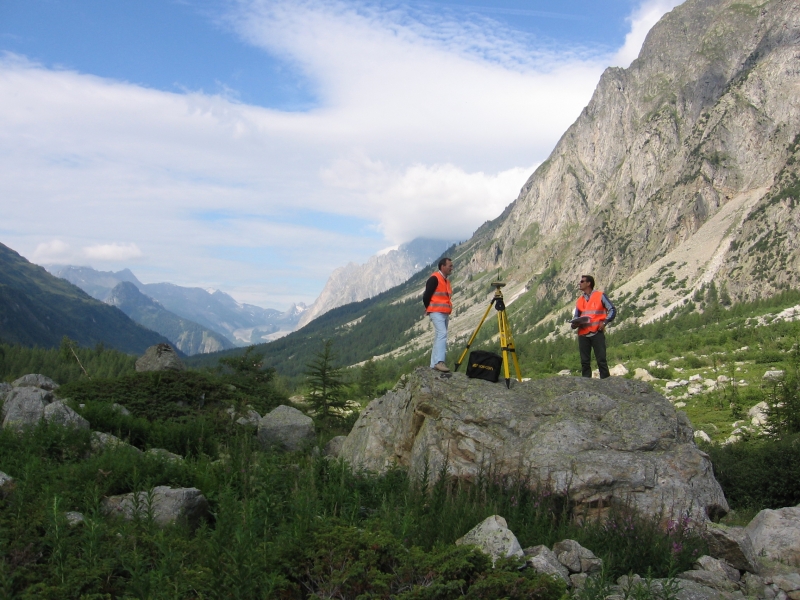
<point x="441" y="367"/>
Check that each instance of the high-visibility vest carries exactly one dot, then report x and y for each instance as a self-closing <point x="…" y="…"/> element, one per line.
<point x="592" y="308"/>
<point x="440" y="301"/>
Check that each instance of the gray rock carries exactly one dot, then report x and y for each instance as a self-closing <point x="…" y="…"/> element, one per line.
<point x="164" y="455"/>
<point x="103" y="441"/>
<point x="121" y="409"/>
<point x="251" y="418"/>
<point x="715" y="580"/>
<point x="5" y="388"/>
<point x="715" y="565"/>
<point x="74" y="518"/>
<point x="36" y="380"/>
<point x="776" y="534"/>
<point x="643" y="375"/>
<point x="774" y="375"/>
<point x="59" y="413"/>
<point x="494" y="538"/>
<point x="24" y="407"/>
<point x="167" y="505"/>
<point x="576" y="558"/>
<point x="788" y="582"/>
<point x="334" y="446"/>
<point x="160" y="357"/>
<point x="753" y="585"/>
<point x="732" y="545"/>
<point x="287" y="428"/>
<point x="543" y="560"/>
<point x="605" y="441"/>
<point x="5" y="479"/>
<point x="578" y="580"/>
<point x="691" y="590"/>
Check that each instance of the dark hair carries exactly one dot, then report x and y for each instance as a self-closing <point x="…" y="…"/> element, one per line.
<point x="443" y="262"/>
<point x="588" y="278"/>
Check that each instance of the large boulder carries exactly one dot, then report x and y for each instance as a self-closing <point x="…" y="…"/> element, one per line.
<point x="36" y="380"/>
<point x="24" y="407"/>
<point x="286" y="428"/>
<point x="494" y="538"/>
<point x="776" y="534"/>
<point x="597" y="442"/>
<point x="160" y="357"/>
<point x="167" y="505"/>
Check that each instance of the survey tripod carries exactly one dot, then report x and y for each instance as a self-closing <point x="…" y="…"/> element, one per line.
<point x="506" y="338"/>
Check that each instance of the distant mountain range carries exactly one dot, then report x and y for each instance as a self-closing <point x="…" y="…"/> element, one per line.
<point x="353" y="283"/>
<point x="194" y="319"/>
<point x="38" y="309"/>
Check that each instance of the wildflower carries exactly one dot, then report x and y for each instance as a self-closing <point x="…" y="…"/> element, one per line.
<point x="676" y="548"/>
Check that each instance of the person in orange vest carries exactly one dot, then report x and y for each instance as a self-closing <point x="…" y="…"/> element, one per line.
<point x="438" y="305"/>
<point x="593" y="312"/>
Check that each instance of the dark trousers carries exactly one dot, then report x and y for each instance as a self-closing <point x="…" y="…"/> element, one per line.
<point x="597" y="343"/>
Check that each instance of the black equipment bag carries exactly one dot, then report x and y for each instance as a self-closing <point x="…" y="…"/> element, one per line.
<point x="484" y="365"/>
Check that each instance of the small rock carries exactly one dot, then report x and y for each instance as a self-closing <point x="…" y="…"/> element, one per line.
<point x="758" y="414"/>
<point x="680" y="404"/>
<point x="702" y="435"/>
<point x="713" y="580"/>
<point x="493" y="537"/>
<point x="714" y="565"/>
<point x="164" y="455"/>
<point x="59" y="413"/>
<point x="787" y="582"/>
<point x="5" y="479"/>
<point x="774" y="375"/>
<point x="564" y="372"/>
<point x="160" y="357"/>
<point x="543" y="560"/>
<point x="36" y="380"/>
<point x="723" y="379"/>
<point x="251" y="418"/>
<point x="643" y="375"/>
<point x="74" y="518"/>
<point x="578" y="580"/>
<point x="656" y="364"/>
<point x="576" y="558"/>
<point x="733" y="545"/>
<point x="618" y="370"/>
<point x="334" y="447"/>
<point x="101" y="441"/>
<point x="696" y="377"/>
<point x="121" y="409"/>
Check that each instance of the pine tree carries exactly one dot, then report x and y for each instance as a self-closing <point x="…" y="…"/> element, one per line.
<point x="325" y="384"/>
<point x="369" y="379"/>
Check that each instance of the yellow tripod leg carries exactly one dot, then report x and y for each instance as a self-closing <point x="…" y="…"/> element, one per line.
<point x="474" y="335"/>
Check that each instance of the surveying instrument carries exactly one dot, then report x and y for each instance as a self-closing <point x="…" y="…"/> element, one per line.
<point x="506" y="338"/>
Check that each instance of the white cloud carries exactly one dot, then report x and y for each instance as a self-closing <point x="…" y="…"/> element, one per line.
<point x="112" y="252"/>
<point x="424" y="127"/>
<point x="54" y="251"/>
<point x="642" y="21"/>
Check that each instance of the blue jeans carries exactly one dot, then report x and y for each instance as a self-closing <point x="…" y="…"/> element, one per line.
<point x="439" y="321"/>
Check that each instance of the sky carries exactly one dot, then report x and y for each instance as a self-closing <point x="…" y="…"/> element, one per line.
<point x="254" y="146"/>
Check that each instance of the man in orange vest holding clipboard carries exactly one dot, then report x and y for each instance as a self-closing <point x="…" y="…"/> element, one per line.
<point x="593" y="312"/>
<point x="438" y="305"/>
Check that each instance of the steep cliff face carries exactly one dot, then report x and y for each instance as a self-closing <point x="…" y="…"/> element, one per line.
<point x="707" y="116"/>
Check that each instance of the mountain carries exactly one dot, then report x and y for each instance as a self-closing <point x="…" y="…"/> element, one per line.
<point x="38" y="309"/>
<point x="353" y="282"/>
<point x="682" y="171"/>
<point x="242" y="324"/>
<point x="189" y="337"/>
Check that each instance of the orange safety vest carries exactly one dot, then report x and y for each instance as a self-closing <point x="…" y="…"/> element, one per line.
<point x="592" y="308"/>
<point x="440" y="301"/>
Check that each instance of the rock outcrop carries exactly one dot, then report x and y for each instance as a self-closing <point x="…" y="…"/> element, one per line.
<point x="596" y="442"/>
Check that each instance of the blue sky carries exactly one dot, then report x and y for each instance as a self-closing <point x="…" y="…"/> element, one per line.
<point x="255" y="145"/>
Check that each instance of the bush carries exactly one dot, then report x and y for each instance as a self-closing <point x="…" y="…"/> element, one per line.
<point x="759" y="474"/>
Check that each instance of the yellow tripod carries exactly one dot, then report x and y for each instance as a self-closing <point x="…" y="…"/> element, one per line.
<point x="506" y="338"/>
